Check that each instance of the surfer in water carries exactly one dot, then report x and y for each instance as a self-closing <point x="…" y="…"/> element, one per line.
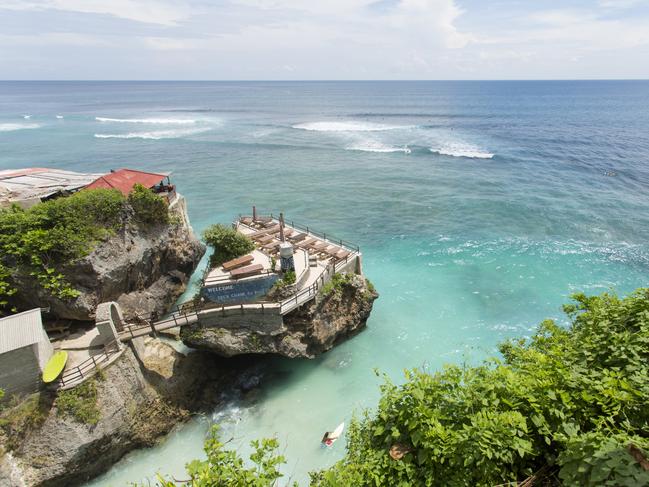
<point x="329" y="438"/>
<point x="326" y="440"/>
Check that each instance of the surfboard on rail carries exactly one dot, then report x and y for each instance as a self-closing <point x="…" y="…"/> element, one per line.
<point x="334" y="435"/>
<point x="55" y="366"/>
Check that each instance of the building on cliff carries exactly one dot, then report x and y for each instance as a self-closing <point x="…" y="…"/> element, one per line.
<point x="125" y="179"/>
<point x="27" y="187"/>
<point x="25" y="349"/>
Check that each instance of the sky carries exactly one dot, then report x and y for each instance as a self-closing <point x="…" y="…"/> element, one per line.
<point x="324" y="39"/>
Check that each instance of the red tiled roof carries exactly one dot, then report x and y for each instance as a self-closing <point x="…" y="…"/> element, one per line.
<point x="125" y="179"/>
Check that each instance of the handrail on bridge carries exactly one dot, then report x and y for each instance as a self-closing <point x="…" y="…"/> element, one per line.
<point x="83" y="371"/>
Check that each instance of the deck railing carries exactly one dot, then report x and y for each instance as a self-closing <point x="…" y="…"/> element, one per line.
<point x="85" y="369"/>
<point x="321" y="235"/>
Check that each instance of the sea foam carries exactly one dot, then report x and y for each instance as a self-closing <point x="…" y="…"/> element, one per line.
<point x="461" y="149"/>
<point x="350" y="126"/>
<point x="374" y="146"/>
<point x="10" y="127"/>
<point x="155" y="135"/>
<point x="152" y="121"/>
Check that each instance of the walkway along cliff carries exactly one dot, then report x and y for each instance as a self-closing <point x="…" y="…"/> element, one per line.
<point x="296" y="294"/>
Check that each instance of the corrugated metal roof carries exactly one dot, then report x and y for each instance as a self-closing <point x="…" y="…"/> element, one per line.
<point x="39" y="182"/>
<point x="125" y="179"/>
<point x="20" y="330"/>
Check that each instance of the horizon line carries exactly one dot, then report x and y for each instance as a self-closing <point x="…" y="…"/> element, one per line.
<point x="159" y="80"/>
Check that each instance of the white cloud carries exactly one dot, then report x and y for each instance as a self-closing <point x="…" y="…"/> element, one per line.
<point x="146" y="11"/>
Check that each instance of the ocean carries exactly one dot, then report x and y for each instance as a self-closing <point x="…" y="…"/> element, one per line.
<point x="479" y="207"/>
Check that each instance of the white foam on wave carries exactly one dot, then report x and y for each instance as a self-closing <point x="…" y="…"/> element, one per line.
<point x="350" y="126"/>
<point x="155" y="135"/>
<point x="59" y="117"/>
<point x="374" y="146"/>
<point x="152" y="121"/>
<point x="27" y="117"/>
<point x="10" y="127"/>
<point x="461" y="149"/>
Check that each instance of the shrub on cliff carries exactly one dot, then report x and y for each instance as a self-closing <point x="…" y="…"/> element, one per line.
<point x="227" y="468"/>
<point x="38" y="241"/>
<point x="574" y="399"/>
<point x="148" y="207"/>
<point x="226" y="243"/>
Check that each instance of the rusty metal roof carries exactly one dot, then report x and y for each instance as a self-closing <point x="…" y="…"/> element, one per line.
<point x="20" y="330"/>
<point x="125" y="179"/>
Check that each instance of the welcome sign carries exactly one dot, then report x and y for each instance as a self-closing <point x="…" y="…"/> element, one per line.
<point x="239" y="292"/>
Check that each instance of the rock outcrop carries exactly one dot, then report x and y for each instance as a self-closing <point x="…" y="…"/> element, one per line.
<point x="144" y="269"/>
<point x="144" y="394"/>
<point x="307" y="331"/>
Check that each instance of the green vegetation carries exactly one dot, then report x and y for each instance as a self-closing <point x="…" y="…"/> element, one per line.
<point x="337" y="283"/>
<point x="572" y="398"/>
<point x="370" y="286"/>
<point x="22" y="415"/>
<point x="80" y="402"/>
<point x="289" y="278"/>
<point x="148" y="207"/>
<point x="39" y="241"/>
<point x="227" y="243"/>
<point x="226" y="468"/>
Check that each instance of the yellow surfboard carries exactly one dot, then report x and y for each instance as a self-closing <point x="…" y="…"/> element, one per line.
<point x="55" y="366"/>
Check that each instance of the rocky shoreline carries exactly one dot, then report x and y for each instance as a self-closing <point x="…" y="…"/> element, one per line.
<point x="308" y="331"/>
<point x="151" y="388"/>
<point x="141" y="397"/>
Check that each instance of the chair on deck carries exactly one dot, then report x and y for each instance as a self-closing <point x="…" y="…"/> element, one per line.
<point x="298" y="237"/>
<point x="238" y="262"/>
<point x="342" y="253"/>
<point x="247" y="271"/>
<point x="264" y="239"/>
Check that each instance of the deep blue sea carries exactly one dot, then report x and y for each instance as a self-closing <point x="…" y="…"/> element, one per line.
<point x="479" y="206"/>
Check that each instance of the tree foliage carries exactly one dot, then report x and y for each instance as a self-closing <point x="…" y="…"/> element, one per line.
<point x="227" y="468"/>
<point x="148" y="207"/>
<point x="227" y="243"/>
<point x="573" y="398"/>
<point x="38" y="241"/>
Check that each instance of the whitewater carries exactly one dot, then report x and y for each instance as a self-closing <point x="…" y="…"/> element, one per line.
<point x="479" y="207"/>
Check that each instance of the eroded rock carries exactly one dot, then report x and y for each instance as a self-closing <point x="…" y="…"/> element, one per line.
<point x="307" y="332"/>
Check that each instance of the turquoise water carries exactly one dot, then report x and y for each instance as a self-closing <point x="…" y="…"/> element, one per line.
<point x="479" y="207"/>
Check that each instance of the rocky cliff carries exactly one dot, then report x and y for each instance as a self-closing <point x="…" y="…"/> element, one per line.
<point x="144" y="269"/>
<point x="337" y="313"/>
<point x="144" y="394"/>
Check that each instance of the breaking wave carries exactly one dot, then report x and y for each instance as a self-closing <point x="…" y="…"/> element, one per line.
<point x="378" y="147"/>
<point x="10" y="127"/>
<point x="350" y="126"/>
<point x="152" y="121"/>
<point x="460" y="149"/>
<point x="155" y="135"/>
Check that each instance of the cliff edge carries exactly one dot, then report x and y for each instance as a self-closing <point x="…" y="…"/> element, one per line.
<point x="53" y="440"/>
<point x="338" y="312"/>
<point x="143" y="268"/>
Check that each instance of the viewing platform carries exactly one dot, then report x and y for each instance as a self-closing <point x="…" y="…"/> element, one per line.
<point x="240" y="291"/>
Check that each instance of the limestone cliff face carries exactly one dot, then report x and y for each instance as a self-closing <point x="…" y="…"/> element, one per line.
<point x="143" y="269"/>
<point x="307" y="331"/>
<point x="144" y="394"/>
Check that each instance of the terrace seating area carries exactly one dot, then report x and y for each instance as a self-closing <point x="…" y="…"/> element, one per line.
<point x="265" y="233"/>
<point x="253" y="264"/>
